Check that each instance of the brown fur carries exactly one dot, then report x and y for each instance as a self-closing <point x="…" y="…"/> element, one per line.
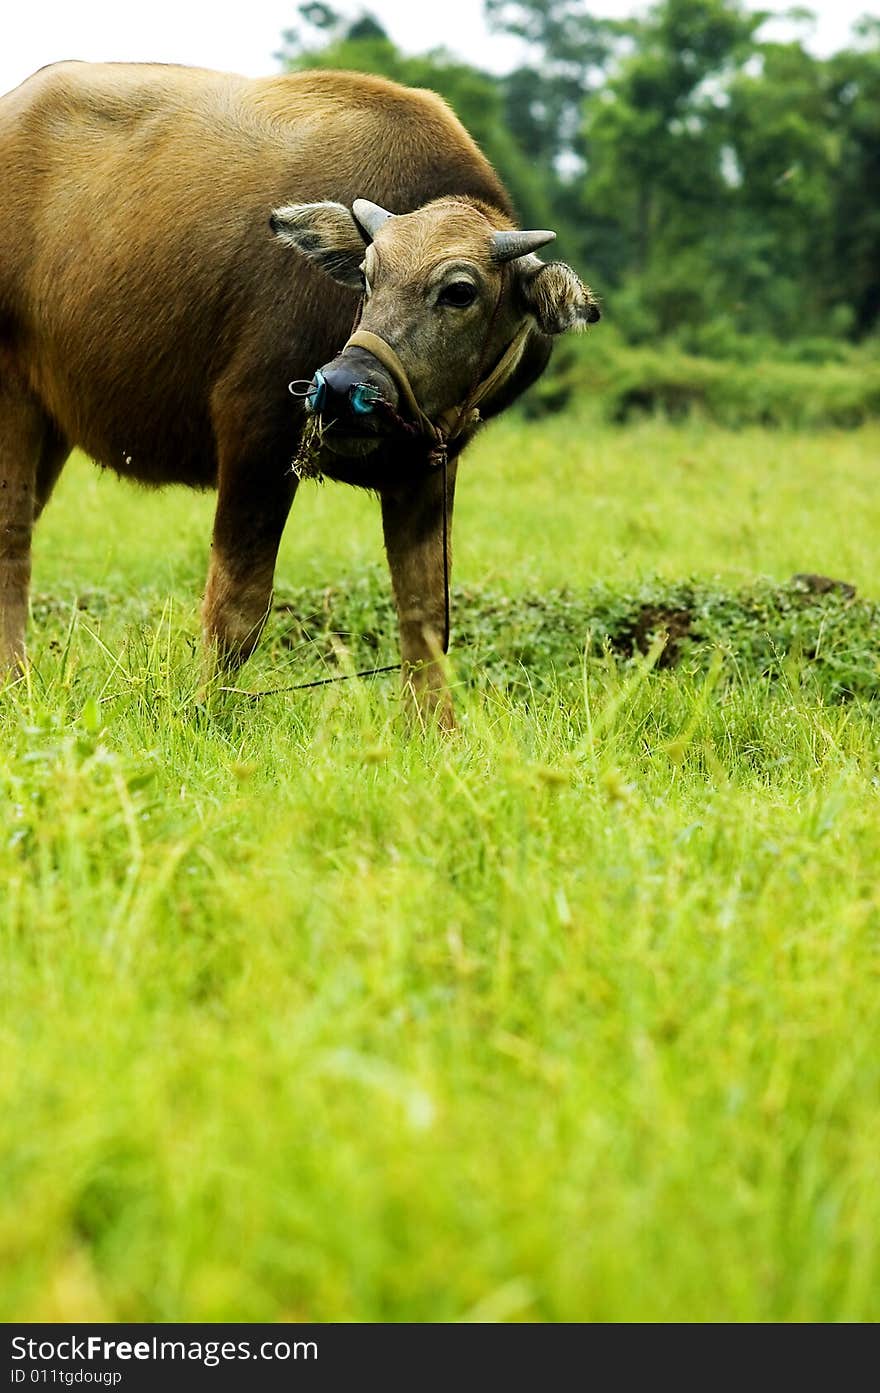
<point x="147" y="314"/>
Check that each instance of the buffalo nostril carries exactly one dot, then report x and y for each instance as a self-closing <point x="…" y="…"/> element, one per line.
<point x="317" y="392"/>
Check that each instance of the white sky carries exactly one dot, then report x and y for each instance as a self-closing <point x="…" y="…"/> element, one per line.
<point x="242" y="35"/>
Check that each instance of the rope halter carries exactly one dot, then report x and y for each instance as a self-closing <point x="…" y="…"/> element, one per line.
<point x="456" y="420"/>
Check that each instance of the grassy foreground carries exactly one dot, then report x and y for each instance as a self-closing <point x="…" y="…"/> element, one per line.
<point x="572" y="1016"/>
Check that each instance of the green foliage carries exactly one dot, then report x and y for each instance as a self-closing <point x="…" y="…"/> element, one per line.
<point x="538" y="641"/>
<point x="569" y="50"/>
<point x="815" y="384"/>
<point x="655" y="131"/>
<point x="734" y="177"/>
<point x="854" y="99"/>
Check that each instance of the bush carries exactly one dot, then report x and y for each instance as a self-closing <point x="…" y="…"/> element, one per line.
<point x="787" y="390"/>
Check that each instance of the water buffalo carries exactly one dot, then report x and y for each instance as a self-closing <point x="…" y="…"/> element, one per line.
<point x="177" y="246"/>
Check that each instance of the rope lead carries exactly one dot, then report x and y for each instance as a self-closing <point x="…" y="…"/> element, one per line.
<point x="451" y="424"/>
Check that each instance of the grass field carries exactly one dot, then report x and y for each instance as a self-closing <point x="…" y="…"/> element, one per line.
<point x="572" y="1016"/>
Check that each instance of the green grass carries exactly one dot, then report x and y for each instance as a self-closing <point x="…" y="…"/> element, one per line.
<point x="572" y="1016"/>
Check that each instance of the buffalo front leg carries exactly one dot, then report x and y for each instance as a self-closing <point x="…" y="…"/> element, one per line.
<point x="412" y="520"/>
<point x="251" y="512"/>
<point x="22" y="427"/>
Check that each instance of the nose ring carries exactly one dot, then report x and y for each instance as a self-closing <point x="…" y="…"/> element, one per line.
<point x="363" y="398"/>
<point x="316" y="394"/>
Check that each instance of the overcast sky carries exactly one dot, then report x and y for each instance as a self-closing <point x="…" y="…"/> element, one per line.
<point x="242" y="35"/>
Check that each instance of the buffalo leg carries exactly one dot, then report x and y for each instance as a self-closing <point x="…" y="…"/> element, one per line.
<point x="251" y="512"/>
<point x="412" y="520"/>
<point x="22" y="430"/>
<point x="54" y="454"/>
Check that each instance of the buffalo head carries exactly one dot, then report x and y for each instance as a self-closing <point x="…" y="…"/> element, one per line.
<point x="443" y="286"/>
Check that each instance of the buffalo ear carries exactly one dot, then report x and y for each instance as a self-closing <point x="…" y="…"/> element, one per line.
<point x="327" y="234"/>
<point x="556" y="296"/>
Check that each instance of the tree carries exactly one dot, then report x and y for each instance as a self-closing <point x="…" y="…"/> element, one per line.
<point x="783" y="152"/>
<point x="853" y="89"/>
<point x="655" y="138"/>
<point x="569" y="53"/>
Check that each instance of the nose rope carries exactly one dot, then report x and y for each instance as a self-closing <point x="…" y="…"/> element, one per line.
<point x="457" y="419"/>
<point x="390" y="667"/>
<point x="450" y="425"/>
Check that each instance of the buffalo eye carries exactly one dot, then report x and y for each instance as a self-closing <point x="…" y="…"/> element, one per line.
<point x="459" y="295"/>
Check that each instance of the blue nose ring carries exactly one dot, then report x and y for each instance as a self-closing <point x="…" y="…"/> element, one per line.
<point x="363" y="398"/>
<point x="316" y="393"/>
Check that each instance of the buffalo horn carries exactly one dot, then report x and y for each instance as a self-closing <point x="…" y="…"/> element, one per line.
<point x="510" y="245"/>
<point x="370" y="215"/>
